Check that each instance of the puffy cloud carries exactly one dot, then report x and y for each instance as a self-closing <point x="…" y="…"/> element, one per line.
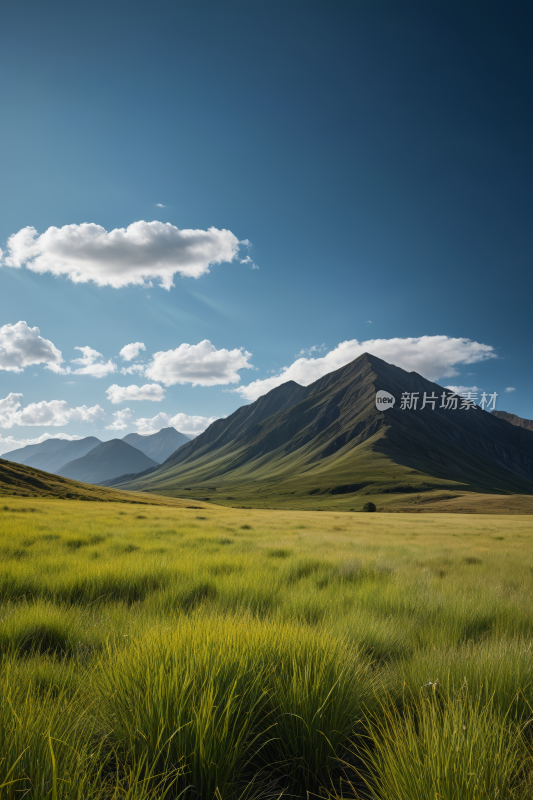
<point x="510" y="389"/>
<point x="131" y="351"/>
<point x="432" y="356"/>
<point x="124" y="394"/>
<point x="123" y="256"/>
<point x="121" y="420"/>
<point x="200" y="364"/>
<point x="8" y="443"/>
<point x="189" y="425"/>
<point x="463" y="389"/>
<point x="133" y="368"/>
<point x="91" y="365"/>
<point x="46" y="412"/>
<point x="22" y="346"/>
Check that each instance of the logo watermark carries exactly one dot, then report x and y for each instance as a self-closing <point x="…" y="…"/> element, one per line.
<point x="449" y="401"/>
<point x="384" y="400"/>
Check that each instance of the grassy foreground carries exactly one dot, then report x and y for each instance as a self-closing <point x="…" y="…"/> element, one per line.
<point x="209" y="652"/>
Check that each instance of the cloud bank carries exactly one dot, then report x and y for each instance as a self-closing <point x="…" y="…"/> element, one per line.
<point x="200" y="364"/>
<point x="125" y="394"/>
<point x="123" y="256"/>
<point x="53" y="412"/>
<point x="433" y="357"/>
<point x="22" y="346"/>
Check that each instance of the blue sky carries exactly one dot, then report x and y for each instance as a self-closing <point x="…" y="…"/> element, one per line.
<point x="376" y="156"/>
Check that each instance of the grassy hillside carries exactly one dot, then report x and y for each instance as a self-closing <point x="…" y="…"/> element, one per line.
<point x="327" y="446"/>
<point x="231" y="653"/>
<point x="17" y="480"/>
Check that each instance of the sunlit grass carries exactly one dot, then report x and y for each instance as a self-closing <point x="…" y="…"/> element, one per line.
<point x="232" y="653"/>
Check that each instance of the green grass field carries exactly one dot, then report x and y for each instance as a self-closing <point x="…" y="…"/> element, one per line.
<point x="210" y="652"/>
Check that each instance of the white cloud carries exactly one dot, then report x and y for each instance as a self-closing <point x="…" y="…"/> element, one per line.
<point x="248" y="260"/>
<point x="133" y="368"/>
<point x="22" y="346"/>
<point x="189" y="425"/>
<point x="125" y="394"/>
<point x="160" y="205"/>
<point x="8" y="443"/>
<point x="123" y="256"/>
<point x="510" y="389"/>
<point x="91" y="365"/>
<point x="316" y="348"/>
<point x="463" y="389"/>
<point x="121" y="420"/>
<point x="46" y="412"/>
<point x="432" y="356"/>
<point x="200" y="364"/>
<point x="131" y="351"/>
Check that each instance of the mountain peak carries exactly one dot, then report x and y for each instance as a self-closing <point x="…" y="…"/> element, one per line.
<point x="328" y="437"/>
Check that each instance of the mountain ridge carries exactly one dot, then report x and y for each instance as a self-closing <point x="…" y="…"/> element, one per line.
<point x="519" y="422"/>
<point x="157" y="446"/>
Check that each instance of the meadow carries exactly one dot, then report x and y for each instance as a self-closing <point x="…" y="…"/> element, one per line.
<point x="232" y="654"/>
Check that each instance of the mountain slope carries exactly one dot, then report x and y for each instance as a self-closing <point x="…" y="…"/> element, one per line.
<point x="106" y="461"/>
<point x="21" y="481"/>
<point x="157" y="446"/>
<point x="308" y="444"/>
<point x="520" y="422"/>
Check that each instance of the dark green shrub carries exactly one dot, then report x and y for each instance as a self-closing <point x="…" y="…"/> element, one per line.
<point x="369" y="507"/>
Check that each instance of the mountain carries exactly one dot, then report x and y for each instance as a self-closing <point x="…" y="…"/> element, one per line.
<point x="52" y="462"/>
<point x="321" y="445"/>
<point x="26" y="453"/>
<point x="157" y="446"/>
<point x="106" y="461"/>
<point x="514" y="420"/>
<point x="52" y="454"/>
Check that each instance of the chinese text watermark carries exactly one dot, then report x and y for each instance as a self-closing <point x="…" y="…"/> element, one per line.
<point x="449" y="401"/>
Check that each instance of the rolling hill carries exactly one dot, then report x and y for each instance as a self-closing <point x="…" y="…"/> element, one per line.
<point x="327" y="445"/>
<point x="106" y="461"/>
<point x="157" y="446"/>
<point x="21" y="481"/>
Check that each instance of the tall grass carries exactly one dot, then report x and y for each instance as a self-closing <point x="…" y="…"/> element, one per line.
<point x="459" y="748"/>
<point x="237" y="654"/>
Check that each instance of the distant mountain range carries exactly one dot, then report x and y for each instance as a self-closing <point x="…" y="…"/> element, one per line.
<point x="50" y="457"/>
<point x="70" y="459"/>
<point x="328" y="442"/>
<point x="106" y="460"/>
<point x="158" y="446"/>
<point x="514" y="420"/>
